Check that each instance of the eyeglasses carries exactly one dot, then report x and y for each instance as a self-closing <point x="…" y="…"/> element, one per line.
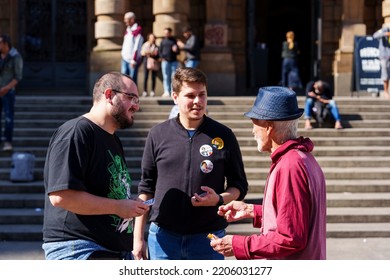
<point x="134" y="99"/>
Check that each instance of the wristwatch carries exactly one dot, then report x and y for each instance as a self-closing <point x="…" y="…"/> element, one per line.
<point x="220" y="201"/>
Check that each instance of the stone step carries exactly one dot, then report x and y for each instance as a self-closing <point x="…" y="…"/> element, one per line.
<point x="21" y="232"/>
<point x="21" y="216"/>
<point x="34" y="187"/>
<point x="25" y="200"/>
<point x="358" y="215"/>
<point x="359" y="200"/>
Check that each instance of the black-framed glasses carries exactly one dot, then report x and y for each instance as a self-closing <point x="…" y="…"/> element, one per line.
<point x="132" y="96"/>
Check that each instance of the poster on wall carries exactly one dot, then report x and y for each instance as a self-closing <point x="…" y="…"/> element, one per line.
<point x="366" y="65"/>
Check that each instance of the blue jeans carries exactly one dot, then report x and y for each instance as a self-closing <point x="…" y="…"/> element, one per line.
<point x="192" y="63"/>
<point x="290" y="73"/>
<point x="128" y="70"/>
<point x="168" y="69"/>
<point x="167" y="245"/>
<point x="7" y="103"/>
<point x="72" y="250"/>
<point x="309" y="103"/>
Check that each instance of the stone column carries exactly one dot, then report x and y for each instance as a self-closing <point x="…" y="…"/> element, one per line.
<point x="173" y="14"/>
<point x="386" y="11"/>
<point x="109" y="30"/>
<point x="216" y="57"/>
<point x="352" y="24"/>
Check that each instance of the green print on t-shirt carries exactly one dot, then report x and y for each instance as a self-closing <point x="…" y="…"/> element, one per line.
<point x="120" y="188"/>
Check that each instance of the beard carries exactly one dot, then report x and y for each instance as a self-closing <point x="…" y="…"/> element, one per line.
<point x="119" y="114"/>
<point x="259" y="144"/>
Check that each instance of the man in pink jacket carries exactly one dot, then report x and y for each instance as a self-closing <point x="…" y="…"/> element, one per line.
<point x="292" y="218"/>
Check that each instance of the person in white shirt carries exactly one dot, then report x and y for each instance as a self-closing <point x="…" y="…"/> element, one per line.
<point x="131" y="48"/>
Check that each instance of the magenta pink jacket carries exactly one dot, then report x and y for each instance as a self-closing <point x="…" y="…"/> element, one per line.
<point x="292" y="219"/>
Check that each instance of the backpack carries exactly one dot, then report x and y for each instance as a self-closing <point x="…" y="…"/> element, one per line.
<point x="22" y="167"/>
<point x="322" y="114"/>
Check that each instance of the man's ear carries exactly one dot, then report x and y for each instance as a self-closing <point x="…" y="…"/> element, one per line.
<point x="174" y="97"/>
<point x="108" y="94"/>
<point x="270" y="127"/>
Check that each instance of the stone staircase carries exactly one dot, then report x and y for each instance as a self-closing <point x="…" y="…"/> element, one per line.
<point x="356" y="160"/>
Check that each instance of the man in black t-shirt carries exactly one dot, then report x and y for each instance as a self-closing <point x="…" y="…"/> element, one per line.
<point x="88" y="210"/>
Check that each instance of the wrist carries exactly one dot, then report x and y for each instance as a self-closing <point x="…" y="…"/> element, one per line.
<point x="221" y="201"/>
<point x="250" y="210"/>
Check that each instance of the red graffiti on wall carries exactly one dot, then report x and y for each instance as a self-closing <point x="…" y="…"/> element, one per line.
<point x="215" y="36"/>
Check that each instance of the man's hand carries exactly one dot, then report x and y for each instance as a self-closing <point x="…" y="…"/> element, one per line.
<point x="208" y="198"/>
<point x="131" y="208"/>
<point x="223" y="245"/>
<point x="312" y="94"/>
<point x="139" y="250"/>
<point x="236" y="210"/>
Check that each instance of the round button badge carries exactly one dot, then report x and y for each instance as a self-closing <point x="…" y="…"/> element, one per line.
<point x="206" y="150"/>
<point x="217" y="143"/>
<point x="206" y="166"/>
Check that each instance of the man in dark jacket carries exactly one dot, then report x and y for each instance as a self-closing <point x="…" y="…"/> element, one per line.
<point x="191" y="165"/>
<point x="168" y="52"/>
<point x="11" y="72"/>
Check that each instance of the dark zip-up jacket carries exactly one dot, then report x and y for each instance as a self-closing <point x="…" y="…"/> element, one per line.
<point x="171" y="170"/>
<point x="166" y="49"/>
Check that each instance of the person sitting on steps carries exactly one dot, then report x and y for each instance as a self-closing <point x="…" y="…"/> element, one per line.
<point x="319" y="91"/>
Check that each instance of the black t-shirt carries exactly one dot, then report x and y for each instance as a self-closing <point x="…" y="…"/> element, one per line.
<point x="82" y="156"/>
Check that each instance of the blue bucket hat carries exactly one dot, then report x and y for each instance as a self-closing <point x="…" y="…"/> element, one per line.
<point x="275" y="104"/>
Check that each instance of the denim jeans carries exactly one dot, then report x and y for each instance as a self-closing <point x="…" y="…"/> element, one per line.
<point x="72" y="250"/>
<point x="167" y="245"/>
<point x="288" y="65"/>
<point x="7" y="103"/>
<point x="168" y="69"/>
<point x="192" y="63"/>
<point x="309" y="103"/>
<point x="132" y="72"/>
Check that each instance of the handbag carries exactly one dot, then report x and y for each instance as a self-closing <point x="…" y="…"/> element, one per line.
<point x="152" y="64"/>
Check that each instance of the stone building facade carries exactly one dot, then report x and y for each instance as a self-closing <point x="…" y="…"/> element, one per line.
<point x="67" y="44"/>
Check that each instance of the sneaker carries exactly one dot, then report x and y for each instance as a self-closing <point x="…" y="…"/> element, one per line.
<point x="7" y="146"/>
<point x="166" y="94"/>
<point x="144" y="94"/>
<point x="151" y="93"/>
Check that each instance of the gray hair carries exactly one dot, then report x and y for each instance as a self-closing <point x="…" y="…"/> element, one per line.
<point x="130" y="15"/>
<point x="285" y="130"/>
